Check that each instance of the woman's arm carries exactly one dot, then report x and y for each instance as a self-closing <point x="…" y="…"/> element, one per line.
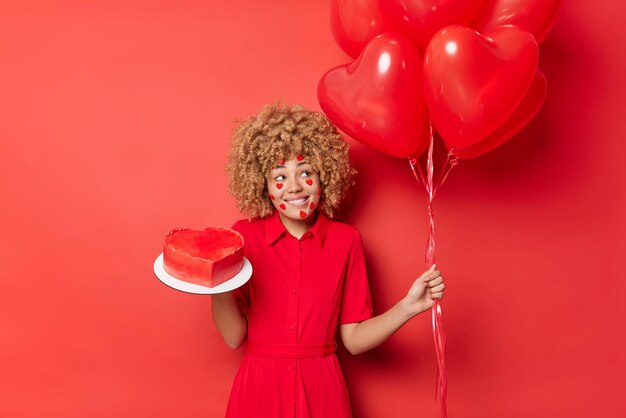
<point x="229" y="319"/>
<point x="363" y="336"/>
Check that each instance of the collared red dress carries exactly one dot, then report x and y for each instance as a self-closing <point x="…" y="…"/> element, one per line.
<point x="299" y="292"/>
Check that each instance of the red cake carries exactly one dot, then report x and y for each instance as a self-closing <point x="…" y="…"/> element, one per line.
<point x="207" y="257"/>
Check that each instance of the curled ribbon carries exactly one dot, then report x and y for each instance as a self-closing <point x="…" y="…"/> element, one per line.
<point x="439" y="334"/>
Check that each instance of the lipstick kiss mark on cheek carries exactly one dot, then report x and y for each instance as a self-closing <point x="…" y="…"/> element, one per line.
<point x="281" y="162"/>
<point x="272" y="196"/>
<point x="302" y="214"/>
<point x="282" y="206"/>
<point x="312" y="205"/>
<point x="279" y="186"/>
<point x="319" y="192"/>
<point x="309" y="182"/>
<point x="299" y="157"/>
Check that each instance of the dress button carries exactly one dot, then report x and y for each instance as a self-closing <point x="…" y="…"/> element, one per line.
<point x="294" y="291"/>
<point x="290" y="368"/>
<point x="291" y="327"/>
<point x="289" y="406"/>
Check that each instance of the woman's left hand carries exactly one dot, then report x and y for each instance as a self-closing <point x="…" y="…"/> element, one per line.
<point x="427" y="287"/>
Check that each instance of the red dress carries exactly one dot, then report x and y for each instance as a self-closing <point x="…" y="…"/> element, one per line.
<point x="299" y="292"/>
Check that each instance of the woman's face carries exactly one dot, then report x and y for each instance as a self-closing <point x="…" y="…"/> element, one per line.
<point x="294" y="188"/>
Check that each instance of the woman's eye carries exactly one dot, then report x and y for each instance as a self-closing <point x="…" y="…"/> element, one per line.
<point x="306" y="174"/>
<point x="279" y="178"/>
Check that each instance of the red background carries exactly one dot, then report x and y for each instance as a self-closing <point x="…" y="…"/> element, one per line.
<point x="114" y="123"/>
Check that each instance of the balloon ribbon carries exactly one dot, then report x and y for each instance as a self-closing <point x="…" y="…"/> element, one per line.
<point x="439" y="334"/>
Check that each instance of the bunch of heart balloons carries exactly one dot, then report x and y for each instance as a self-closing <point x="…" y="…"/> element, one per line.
<point x="467" y="66"/>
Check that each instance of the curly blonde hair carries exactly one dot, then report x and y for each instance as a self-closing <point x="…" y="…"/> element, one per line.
<point x="282" y="132"/>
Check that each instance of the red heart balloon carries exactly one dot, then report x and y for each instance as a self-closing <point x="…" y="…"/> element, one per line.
<point x="474" y="82"/>
<point x="356" y="22"/>
<point x="421" y="19"/>
<point x="534" y="16"/>
<point x="527" y="109"/>
<point x="378" y="99"/>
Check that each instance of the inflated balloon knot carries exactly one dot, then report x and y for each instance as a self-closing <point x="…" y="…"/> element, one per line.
<point x="452" y="156"/>
<point x="413" y="161"/>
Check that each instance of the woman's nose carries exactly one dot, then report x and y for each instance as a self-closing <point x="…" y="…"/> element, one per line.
<point x="294" y="185"/>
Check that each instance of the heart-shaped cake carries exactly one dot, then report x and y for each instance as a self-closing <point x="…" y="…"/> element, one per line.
<point x="208" y="257"/>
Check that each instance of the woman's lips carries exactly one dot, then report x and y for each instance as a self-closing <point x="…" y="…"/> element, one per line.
<point x="298" y="202"/>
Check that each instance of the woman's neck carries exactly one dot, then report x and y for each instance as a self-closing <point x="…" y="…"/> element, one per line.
<point x="298" y="227"/>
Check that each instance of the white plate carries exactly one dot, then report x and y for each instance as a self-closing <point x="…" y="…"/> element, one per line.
<point x="239" y="280"/>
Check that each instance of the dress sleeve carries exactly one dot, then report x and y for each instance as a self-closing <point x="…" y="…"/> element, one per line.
<point x="356" y="302"/>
